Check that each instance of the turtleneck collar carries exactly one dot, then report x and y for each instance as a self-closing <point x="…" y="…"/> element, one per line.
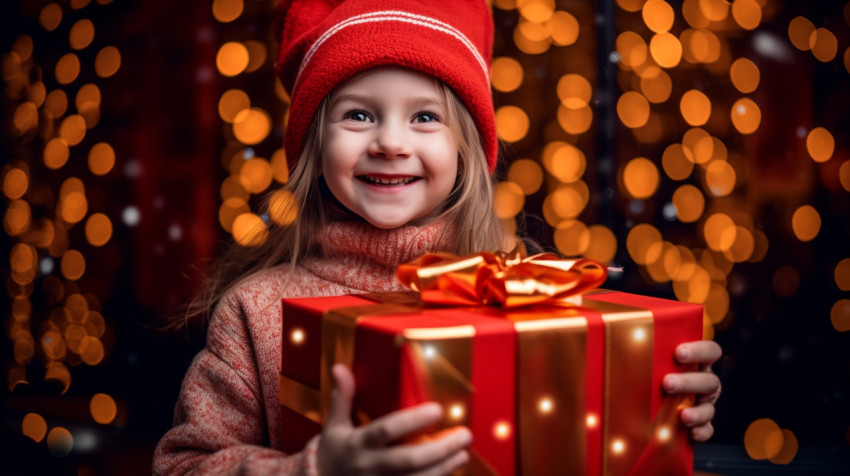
<point x="360" y="256"/>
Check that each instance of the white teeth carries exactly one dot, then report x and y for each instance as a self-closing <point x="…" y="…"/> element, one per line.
<point x="388" y="181"/>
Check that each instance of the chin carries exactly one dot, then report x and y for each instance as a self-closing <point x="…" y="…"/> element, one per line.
<point x="387" y="224"/>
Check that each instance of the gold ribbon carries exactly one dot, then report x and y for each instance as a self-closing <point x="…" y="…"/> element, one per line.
<point x="503" y="279"/>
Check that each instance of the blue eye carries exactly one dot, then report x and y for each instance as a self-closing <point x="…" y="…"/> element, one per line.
<point x="357" y="115"/>
<point x="426" y="116"/>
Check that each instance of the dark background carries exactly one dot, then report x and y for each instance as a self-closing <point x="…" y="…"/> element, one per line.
<point x="783" y="359"/>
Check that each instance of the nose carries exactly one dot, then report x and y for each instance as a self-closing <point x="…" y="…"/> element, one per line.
<point x="390" y="142"/>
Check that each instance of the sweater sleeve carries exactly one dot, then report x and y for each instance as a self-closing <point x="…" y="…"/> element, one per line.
<point x="220" y="423"/>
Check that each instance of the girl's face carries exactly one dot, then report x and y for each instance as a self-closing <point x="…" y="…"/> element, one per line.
<point x="387" y="154"/>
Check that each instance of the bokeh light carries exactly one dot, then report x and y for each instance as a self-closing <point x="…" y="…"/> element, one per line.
<point x="508" y="199"/>
<point x="575" y="121"/>
<point x="839" y="315"/>
<point x="283" y="208"/>
<point x="745" y="75"/>
<point x="820" y="144"/>
<point x="101" y="158"/>
<point x="676" y="162"/>
<point x="747" y="13"/>
<point x="574" y="90"/>
<point x="658" y="15"/>
<point x="746" y="116"/>
<point x="633" y="109"/>
<point x="107" y="62"/>
<point x="763" y="439"/>
<point x="665" y="49"/>
<point x="640" y="177"/>
<point x="226" y="11"/>
<point x="695" y="107"/>
<point x="786" y="454"/>
<point x="800" y="31"/>
<point x="603" y="244"/>
<point x="50" y="16"/>
<point x="60" y="442"/>
<point x="527" y="174"/>
<point x="689" y="203"/>
<point x="73" y="265"/>
<point x="572" y="237"/>
<point x="563" y="28"/>
<point x="639" y="243"/>
<point x="251" y="125"/>
<point x="720" y="177"/>
<point x="824" y="44"/>
<point x="720" y="232"/>
<point x="67" y="68"/>
<point x="564" y="161"/>
<point x="806" y="223"/>
<point x="98" y="229"/>
<point x="81" y="34"/>
<point x="34" y="427"/>
<point x="506" y="74"/>
<point x="842" y="274"/>
<point x="103" y="408"/>
<point x="249" y="230"/>
<point x="255" y="175"/>
<point x="511" y="123"/>
<point x="231" y="103"/>
<point x="232" y="58"/>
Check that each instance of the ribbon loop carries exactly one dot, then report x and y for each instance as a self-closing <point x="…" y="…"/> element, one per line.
<point x="503" y="279"/>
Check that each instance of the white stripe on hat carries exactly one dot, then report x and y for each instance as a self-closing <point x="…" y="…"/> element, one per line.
<point x="393" y="15"/>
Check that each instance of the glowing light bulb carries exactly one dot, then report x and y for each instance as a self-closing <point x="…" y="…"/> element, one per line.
<point x="297" y="336"/>
<point x="618" y="446"/>
<point x="664" y="434"/>
<point x="592" y="421"/>
<point x="639" y="335"/>
<point x="546" y="405"/>
<point x="430" y="352"/>
<point x="502" y="430"/>
<point x="456" y="411"/>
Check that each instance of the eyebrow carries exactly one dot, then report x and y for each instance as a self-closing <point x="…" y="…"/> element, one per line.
<point x="413" y="101"/>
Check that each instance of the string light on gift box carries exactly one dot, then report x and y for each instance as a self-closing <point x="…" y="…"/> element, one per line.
<point x="639" y="335"/>
<point x="663" y="434"/>
<point x="592" y="420"/>
<point x="457" y="412"/>
<point x="297" y="336"/>
<point x="502" y="430"/>
<point x="546" y="405"/>
<point x="618" y="446"/>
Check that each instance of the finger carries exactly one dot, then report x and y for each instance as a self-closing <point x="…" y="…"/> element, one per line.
<point x="399" y="423"/>
<point x="704" y="352"/>
<point x="407" y="458"/>
<point x="698" y="415"/>
<point x="342" y="396"/>
<point x="456" y="461"/>
<point x="691" y="382"/>
<point x="702" y="433"/>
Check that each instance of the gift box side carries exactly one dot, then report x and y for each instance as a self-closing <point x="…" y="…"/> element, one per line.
<point x="301" y="336"/>
<point x="668" y="449"/>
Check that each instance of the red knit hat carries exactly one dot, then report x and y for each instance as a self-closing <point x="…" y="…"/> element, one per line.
<point x="325" y="42"/>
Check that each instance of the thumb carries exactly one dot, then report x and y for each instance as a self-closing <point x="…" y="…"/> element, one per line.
<point x="342" y="396"/>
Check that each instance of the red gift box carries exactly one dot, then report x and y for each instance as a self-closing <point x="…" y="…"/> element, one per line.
<point x="545" y="390"/>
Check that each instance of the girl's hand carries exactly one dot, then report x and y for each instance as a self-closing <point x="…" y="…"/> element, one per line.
<point x="704" y="383"/>
<point x="344" y="449"/>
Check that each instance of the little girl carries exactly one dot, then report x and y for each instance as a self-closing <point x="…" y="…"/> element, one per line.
<point x="392" y="137"/>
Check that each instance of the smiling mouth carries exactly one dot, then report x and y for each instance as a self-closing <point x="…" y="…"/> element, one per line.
<point x="387" y="181"/>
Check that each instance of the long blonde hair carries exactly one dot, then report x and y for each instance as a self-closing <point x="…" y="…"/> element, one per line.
<point x="468" y="210"/>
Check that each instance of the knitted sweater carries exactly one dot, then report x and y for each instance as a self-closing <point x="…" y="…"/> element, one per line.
<point x="227" y="416"/>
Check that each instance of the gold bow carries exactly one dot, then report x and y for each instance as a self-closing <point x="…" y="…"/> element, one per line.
<point x="504" y="279"/>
